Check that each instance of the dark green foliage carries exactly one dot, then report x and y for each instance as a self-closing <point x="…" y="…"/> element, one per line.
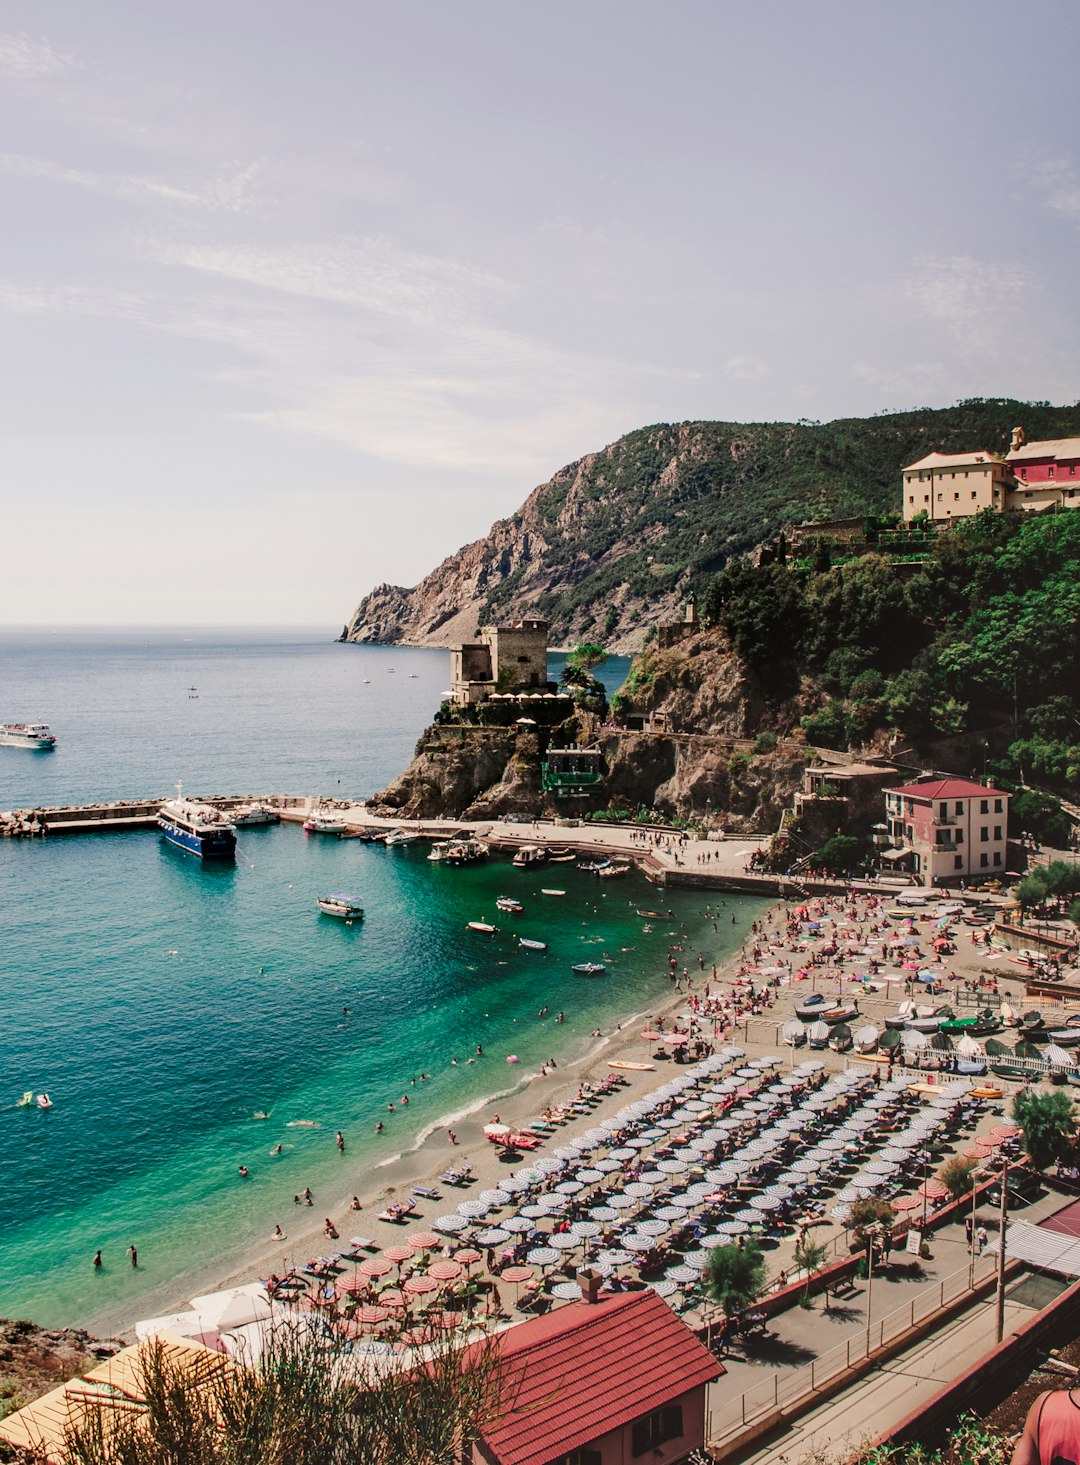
<point x="666" y="507"/>
<point x="838" y="854"/>
<point x="1032" y="812"/>
<point x="958" y="1174"/>
<point x="1047" y="1121"/>
<point x="734" y="1275"/>
<point x="987" y="627"/>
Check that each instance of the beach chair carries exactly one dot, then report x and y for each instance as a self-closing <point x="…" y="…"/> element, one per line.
<point x="363" y="1243"/>
<point x="427" y="1192"/>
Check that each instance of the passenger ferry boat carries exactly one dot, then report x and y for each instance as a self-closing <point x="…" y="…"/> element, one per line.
<point x="344" y="907"/>
<point x="249" y="814"/>
<point x="34" y="735"/>
<point x="198" y="828"/>
<point x="324" y="821"/>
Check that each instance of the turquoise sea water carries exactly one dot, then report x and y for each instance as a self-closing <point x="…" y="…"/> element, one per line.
<point x="162" y="1002"/>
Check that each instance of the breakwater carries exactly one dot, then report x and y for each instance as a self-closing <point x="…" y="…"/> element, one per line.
<point x="121" y="816"/>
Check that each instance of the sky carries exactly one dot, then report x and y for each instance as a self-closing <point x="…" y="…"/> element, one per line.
<point x="296" y="298"/>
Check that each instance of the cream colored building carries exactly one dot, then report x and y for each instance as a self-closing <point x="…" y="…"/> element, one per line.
<point x="946" y="486"/>
<point x="509" y="658"/>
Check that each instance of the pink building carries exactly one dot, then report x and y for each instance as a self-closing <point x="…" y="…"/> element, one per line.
<point x="1047" y="472"/>
<point x="605" y="1382"/>
<point x="946" y="829"/>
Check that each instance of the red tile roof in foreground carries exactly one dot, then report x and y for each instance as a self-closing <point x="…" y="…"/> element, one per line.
<point x="591" y="1367"/>
<point x="947" y="788"/>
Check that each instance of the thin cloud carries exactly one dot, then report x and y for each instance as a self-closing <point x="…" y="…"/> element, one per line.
<point x="228" y="192"/>
<point x="747" y="368"/>
<point x="25" y="59"/>
<point x="1056" y="179"/>
<point x="961" y="291"/>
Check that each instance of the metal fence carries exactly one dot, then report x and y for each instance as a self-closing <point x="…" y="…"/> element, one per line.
<point x="787" y="1389"/>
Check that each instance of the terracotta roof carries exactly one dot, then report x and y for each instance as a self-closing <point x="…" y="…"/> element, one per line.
<point x="1058" y="447"/>
<point x="947" y="788"/>
<point x="591" y="1367"/>
<point x="950" y="460"/>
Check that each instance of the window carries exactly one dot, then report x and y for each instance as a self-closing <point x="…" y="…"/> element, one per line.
<point x="984" y="834"/>
<point x="911" y="498"/>
<point x="984" y="806"/>
<point x="943" y="810"/>
<point x="997" y="857"/>
<point x="958" y="862"/>
<point x="1049" y="472"/>
<point x="1023" y="474"/>
<point x="959" y="807"/>
<point x="997" y="831"/>
<point x="998" y="807"/>
<point x="974" y="494"/>
<point x="523" y="661"/>
<point x="959" y="836"/>
<point x="656" y="1429"/>
<point x="956" y="496"/>
<point x="580" y="1457"/>
<point x="1072" y="469"/>
<point x="984" y="860"/>
<point x="940" y="497"/>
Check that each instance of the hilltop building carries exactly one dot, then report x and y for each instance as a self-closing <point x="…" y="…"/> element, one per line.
<point x="1031" y="477"/>
<point x="670" y="633"/>
<point x="947" y="829"/>
<point x="508" y="658"/>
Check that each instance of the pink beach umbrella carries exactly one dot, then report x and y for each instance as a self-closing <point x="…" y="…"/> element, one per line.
<point x="423" y="1241"/>
<point x="420" y="1285"/>
<point x="398" y="1254"/>
<point x="375" y="1266"/>
<point x="445" y="1271"/>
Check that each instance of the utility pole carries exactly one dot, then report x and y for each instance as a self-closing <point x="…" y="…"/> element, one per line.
<point x="971" y="1239"/>
<point x="871" y="1233"/>
<point x="1001" y="1252"/>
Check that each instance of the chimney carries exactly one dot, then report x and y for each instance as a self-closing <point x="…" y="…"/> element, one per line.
<point x="590" y="1284"/>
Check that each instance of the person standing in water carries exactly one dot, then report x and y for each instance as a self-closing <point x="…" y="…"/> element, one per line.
<point x="97" y="1261"/>
<point x="134" y="1255"/>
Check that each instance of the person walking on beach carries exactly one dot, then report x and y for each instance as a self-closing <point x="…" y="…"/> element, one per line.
<point x="134" y="1255"/>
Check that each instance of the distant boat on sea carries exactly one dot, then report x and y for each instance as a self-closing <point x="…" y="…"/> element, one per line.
<point x="35" y="735"/>
<point x="344" y="907"/>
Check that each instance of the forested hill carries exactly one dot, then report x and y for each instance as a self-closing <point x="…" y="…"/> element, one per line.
<point x="617" y="540"/>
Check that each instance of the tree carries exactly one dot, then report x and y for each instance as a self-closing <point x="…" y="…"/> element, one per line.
<point x="734" y="1275"/>
<point x="870" y="1215"/>
<point x="298" y="1404"/>
<point x="1048" y="1124"/>
<point x="810" y="1257"/>
<point x="839" y="853"/>
<point x="1031" y="891"/>
<point x="958" y="1175"/>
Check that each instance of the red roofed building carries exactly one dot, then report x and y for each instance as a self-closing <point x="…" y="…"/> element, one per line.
<point x="601" y="1383"/>
<point x="947" y="829"/>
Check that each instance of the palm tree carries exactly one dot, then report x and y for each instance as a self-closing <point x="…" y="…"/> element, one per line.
<point x="810" y="1257"/>
<point x="734" y="1275"/>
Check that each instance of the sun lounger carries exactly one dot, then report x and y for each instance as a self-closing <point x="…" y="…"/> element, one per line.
<point x="427" y="1192"/>
<point x="363" y="1243"/>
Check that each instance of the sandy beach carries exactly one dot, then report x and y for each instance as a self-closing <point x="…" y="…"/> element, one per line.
<point x="535" y="1093"/>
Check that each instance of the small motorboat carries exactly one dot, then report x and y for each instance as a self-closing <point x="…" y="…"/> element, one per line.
<point x="552" y="892"/>
<point x="251" y="814"/>
<point x="400" y="836"/>
<point x="659" y="916"/>
<point x="344" y="907"/>
<point x="529" y="854"/>
<point x="589" y="968"/>
<point x="613" y="872"/>
<point x="793" y="1033"/>
<point x="514" y="907"/>
<point x="485" y="926"/>
<point x="324" y="821"/>
<point x="1064" y="1037"/>
<point x="811" y="1008"/>
<point x="532" y="945"/>
<point x="593" y="867"/>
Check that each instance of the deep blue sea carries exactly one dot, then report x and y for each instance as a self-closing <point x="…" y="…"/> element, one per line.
<point x="162" y="1003"/>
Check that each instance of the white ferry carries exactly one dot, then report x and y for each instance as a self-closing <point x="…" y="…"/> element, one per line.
<point x="27" y="735"/>
<point x="198" y="828"/>
<point x="344" y="907"/>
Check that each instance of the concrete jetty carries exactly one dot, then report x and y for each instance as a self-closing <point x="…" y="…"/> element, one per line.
<point x="123" y="815"/>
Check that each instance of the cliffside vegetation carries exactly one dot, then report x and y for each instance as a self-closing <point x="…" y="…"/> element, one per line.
<point x="616" y="540"/>
<point x="981" y="635"/>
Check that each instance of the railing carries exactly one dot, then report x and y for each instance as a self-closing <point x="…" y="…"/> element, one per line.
<point x="787" y="1389"/>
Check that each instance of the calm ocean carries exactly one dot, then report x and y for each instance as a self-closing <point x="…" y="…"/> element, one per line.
<point x="162" y="1003"/>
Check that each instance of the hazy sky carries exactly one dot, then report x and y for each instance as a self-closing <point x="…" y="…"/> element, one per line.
<point x="298" y="297"/>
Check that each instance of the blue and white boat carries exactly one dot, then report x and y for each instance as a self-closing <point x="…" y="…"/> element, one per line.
<point x="198" y="828"/>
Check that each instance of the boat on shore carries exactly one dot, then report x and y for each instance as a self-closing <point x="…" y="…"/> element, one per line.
<point x="34" y="735"/>
<point x="324" y="821"/>
<point x="248" y="815"/>
<point x="343" y="907"/>
<point x="200" y="829"/>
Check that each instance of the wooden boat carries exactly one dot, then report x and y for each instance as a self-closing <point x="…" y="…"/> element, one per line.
<point x="793" y="1033"/>
<point x="508" y="904"/>
<point x="866" y="1039"/>
<point x="589" y="968"/>
<point x="1064" y="1037"/>
<point x="840" y="1039"/>
<point x="890" y="1040"/>
<point x="485" y="926"/>
<point x="809" y="1009"/>
<point x="347" y="908"/>
<point x="818" y="1035"/>
<point x="532" y="945"/>
<point x="614" y="872"/>
<point x="553" y="892"/>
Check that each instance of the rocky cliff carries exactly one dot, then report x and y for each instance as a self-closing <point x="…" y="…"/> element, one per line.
<point x="616" y="541"/>
<point x="702" y="765"/>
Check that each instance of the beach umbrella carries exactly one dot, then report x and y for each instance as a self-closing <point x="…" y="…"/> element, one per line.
<point x="636" y="1242"/>
<point x="841" y="1213"/>
<point x="473" y="1208"/>
<point x="468" y="1256"/>
<point x="751" y="1215"/>
<point x="517" y="1224"/>
<point x="624" y="1152"/>
<point x="566" y="1291"/>
<point x="669" y="1123"/>
<point x="672" y="1166"/>
<point x="451" y="1223"/>
<point x="392" y="1297"/>
<point x="641" y="1143"/>
<point x="569" y="1187"/>
<point x="663" y="1287"/>
<point x="622" y="1202"/>
<point x="548" y="1166"/>
<point x="731" y="1228"/>
<point x="445" y="1270"/>
<point x="767" y="1202"/>
<point x="681" y="1273"/>
<point x="543" y="1256"/>
<point x="356" y="1283"/>
<point x="652" y="1228"/>
<point x="370" y="1315"/>
<point x="653" y="1177"/>
<point x="587" y="1230"/>
<point x="881" y="1167"/>
<point x="494" y="1236"/>
<point x="423" y="1240"/>
<point x="375" y="1266"/>
<point x="607" y="1164"/>
<point x="398" y="1254"/>
<point x="604" y="1213"/>
<point x="563" y="1240"/>
<point x="420" y="1285"/>
<point x="906" y="1203"/>
<point x="516" y="1275"/>
<point x="494" y="1197"/>
<point x="536" y="1210"/>
<point x="639" y="1188"/>
<point x="1006" y="1131"/>
<point x="567" y="1152"/>
<point x="590" y="1176"/>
